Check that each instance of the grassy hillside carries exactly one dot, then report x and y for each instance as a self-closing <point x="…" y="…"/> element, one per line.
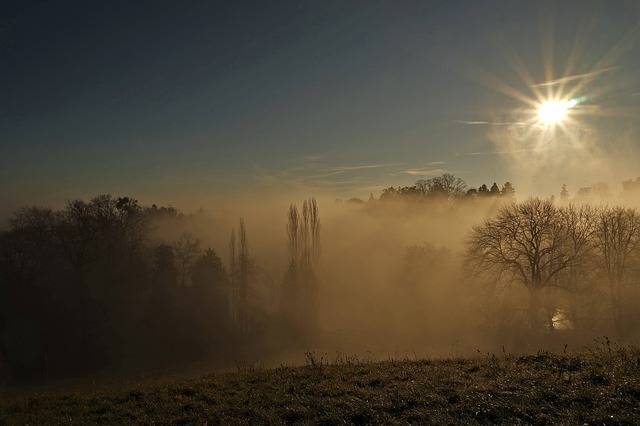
<point x="595" y="387"/>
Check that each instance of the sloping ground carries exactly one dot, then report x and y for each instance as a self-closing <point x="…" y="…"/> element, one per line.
<point x="595" y="388"/>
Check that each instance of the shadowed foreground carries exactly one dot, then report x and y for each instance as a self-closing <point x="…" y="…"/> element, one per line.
<point x="601" y="387"/>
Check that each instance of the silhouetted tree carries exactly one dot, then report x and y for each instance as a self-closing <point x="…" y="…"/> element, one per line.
<point x="630" y="187"/>
<point x="579" y="225"/>
<point x="564" y="194"/>
<point x="495" y="191"/>
<point x="243" y="277"/>
<point x="508" y="191"/>
<point x="618" y="242"/>
<point x="355" y="200"/>
<point x="596" y="192"/>
<point x="208" y="302"/>
<point x="79" y="232"/>
<point x="164" y="282"/>
<point x="388" y="194"/>
<point x="526" y="243"/>
<point x="30" y="261"/>
<point x="446" y="186"/>
<point x="233" y="267"/>
<point x="409" y="191"/>
<point x="300" y="281"/>
<point x="483" y="190"/>
<point x="29" y="246"/>
<point x="187" y="250"/>
<point x="161" y="212"/>
<point x="83" y="288"/>
<point x="241" y="274"/>
<point x="208" y="271"/>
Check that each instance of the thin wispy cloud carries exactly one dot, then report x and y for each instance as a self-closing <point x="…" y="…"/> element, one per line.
<point x="303" y="177"/>
<point x="360" y="167"/>
<point x="574" y="77"/>
<point x="316" y="170"/>
<point x="513" y="151"/>
<point x="496" y="123"/>
<point x="424" y="172"/>
<point x="320" y="176"/>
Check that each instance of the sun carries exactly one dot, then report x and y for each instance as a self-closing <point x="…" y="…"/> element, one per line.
<point x="553" y="112"/>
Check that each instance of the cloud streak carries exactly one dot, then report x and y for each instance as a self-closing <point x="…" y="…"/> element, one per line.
<point x="320" y="176"/>
<point x="345" y="179"/>
<point x="498" y="123"/>
<point x="513" y="151"/>
<point x="424" y="172"/>
<point x="360" y="167"/>
<point x="574" y="77"/>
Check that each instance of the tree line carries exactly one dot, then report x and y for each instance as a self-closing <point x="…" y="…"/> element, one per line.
<point x="94" y="285"/>
<point x="447" y="188"/>
<point x="91" y="286"/>
<point x="577" y="265"/>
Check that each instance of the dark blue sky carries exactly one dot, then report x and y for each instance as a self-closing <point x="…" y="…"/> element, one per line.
<point x="181" y="102"/>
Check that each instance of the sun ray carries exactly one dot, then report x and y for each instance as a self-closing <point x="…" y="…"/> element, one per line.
<point x="546" y="17"/>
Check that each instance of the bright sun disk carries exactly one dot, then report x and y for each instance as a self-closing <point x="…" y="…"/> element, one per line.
<point x="551" y="112"/>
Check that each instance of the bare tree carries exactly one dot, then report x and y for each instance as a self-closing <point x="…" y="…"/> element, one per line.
<point x="447" y="187"/>
<point x="187" y="251"/>
<point x="291" y="290"/>
<point x="526" y="243"/>
<point x="300" y="281"/>
<point x="293" y="225"/>
<point x="579" y="223"/>
<point x="241" y="274"/>
<point x="617" y="240"/>
<point x="30" y="245"/>
<point x="243" y="278"/>
<point x="233" y="266"/>
<point x="77" y="231"/>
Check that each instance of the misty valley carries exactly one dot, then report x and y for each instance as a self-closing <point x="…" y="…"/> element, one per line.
<point x="320" y="212"/>
<point x="110" y="288"/>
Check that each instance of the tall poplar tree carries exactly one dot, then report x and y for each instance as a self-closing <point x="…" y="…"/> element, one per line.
<point x="240" y="276"/>
<point x="300" y="281"/>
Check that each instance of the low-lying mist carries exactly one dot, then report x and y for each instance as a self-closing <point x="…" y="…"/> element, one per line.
<point x="387" y="277"/>
<point x="110" y="285"/>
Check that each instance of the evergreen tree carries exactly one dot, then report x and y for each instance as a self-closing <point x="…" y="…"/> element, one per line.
<point x="483" y="190"/>
<point x="564" y="194"/>
<point x="508" y="191"/>
<point x="495" y="191"/>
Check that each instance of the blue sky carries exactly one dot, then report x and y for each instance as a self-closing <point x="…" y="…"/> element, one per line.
<point x="183" y="102"/>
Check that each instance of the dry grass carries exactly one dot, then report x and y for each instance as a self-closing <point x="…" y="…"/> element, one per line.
<point x="596" y="388"/>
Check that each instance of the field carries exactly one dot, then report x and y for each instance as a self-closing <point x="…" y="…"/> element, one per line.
<point x="599" y="387"/>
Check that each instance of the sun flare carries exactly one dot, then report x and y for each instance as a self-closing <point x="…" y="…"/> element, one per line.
<point x="552" y="112"/>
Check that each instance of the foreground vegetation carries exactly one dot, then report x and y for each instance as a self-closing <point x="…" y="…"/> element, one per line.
<point x="593" y="387"/>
